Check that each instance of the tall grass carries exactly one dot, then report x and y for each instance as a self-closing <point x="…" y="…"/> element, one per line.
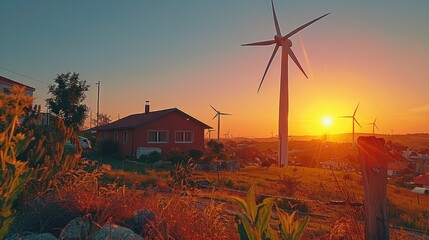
<point x="13" y="172"/>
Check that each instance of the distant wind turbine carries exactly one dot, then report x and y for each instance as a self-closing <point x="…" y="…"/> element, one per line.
<point x="374" y="126"/>
<point x="218" y="114"/>
<point x="227" y="134"/>
<point x="353" y="117"/>
<point x="284" y="42"/>
<point x="209" y="131"/>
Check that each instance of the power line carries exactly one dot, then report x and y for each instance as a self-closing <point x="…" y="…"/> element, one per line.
<point x="23" y="75"/>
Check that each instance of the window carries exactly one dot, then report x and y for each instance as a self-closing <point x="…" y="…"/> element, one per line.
<point x="115" y="136"/>
<point x="157" y="136"/>
<point x="125" y="136"/>
<point x="6" y="91"/>
<point x="184" y="137"/>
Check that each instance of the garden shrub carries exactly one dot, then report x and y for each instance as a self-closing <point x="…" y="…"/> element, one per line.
<point x="153" y="157"/>
<point x="195" y="154"/>
<point x="176" y="156"/>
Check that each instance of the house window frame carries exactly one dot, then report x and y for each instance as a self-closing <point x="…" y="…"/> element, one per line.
<point x="158" y="136"/>
<point x="184" y="136"/>
<point x="125" y="137"/>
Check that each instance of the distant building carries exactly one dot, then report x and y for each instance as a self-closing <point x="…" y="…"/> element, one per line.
<point x="331" y="164"/>
<point x="422" y="180"/>
<point x="394" y="169"/>
<point x="159" y="130"/>
<point x="6" y="86"/>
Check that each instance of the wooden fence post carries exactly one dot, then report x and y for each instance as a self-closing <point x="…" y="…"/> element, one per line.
<point x="374" y="175"/>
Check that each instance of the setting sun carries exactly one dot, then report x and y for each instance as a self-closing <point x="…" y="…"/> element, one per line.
<point x="327" y="121"/>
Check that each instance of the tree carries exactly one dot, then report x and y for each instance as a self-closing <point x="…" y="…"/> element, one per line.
<point x="68" y="94"/>
<point x="103" y="119"/>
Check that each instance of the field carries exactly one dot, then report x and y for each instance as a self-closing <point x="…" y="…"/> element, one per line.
<point x="316" y="193"/>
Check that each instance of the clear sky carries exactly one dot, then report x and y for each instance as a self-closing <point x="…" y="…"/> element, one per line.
<point x="187" y="54"/>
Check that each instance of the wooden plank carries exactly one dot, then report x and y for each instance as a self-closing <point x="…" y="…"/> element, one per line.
<point x="374" y="176"/>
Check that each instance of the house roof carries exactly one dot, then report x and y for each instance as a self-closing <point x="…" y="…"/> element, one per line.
<point x="424" y="151"/>
<point x="135" y="120"/>
<point x="395" y="166"/>
<point x="12" y="82"/>
<point x="422" y="179"/>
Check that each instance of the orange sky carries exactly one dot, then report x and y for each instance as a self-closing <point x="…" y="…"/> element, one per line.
<point x="375" y="54"/>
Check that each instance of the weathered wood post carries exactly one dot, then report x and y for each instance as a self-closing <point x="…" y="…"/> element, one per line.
<point x="374" y="174"/>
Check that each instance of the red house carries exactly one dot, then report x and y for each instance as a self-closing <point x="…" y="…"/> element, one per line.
<point x="6" y="86"/>
<point x="163" y="130"/>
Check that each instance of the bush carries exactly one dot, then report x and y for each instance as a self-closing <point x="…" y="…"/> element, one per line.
<point x="195" y="154"/>
<point x="176" y="156"/>
<point x="289" y="184"/>
<point x="153" y="157"/>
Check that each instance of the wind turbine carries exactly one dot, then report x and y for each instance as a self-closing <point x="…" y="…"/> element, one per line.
<point x="209" y="131"/>
<point x="218" y="114"/>
<point x="353" y="124"/>
<point x="374" y="126"/>
<point x="284" y="42"/>
<point x="227" y="134"/>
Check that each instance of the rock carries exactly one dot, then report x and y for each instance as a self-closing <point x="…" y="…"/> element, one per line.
<point x="78" y="228"/>
<point x="31" y="236"/>
<point x="115" y="232"/>
<point x="140" y="219"/>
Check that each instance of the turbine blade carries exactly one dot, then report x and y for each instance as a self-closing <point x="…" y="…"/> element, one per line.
<point x="357" y="122"/>
<point x="303" y="26"/>
<point x="356" y="110"/>
<point x="292" y="55"/>
<point x="275" y="20"/>
<point x="214" y="108"/>
<point x="225" y="114"/>
<point x="268" y="65"/>
<point x="262" y="43"/>
<point x="376" y="126"/>
<point x="215" y="116"/>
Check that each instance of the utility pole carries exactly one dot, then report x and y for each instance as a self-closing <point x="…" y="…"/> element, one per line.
<point x="98" y="100"/>
<point x="90" y="119"/>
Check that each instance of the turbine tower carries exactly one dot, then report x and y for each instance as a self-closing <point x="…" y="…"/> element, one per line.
<point x="353" y="124"/>
<point x="284" y="42"/>
<point x="374" y="126"/>
<point x="218" y="114"/>
<point x="209" y="131"/>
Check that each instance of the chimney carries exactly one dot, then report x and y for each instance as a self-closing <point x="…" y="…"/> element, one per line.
<point x="146" y="107"/>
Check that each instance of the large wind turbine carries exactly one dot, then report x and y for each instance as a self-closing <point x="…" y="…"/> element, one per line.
<point x="218" y="114"/>
<point x="284" y="42"/>
<point x="374" y="126"/>
<point x="353" y="117"/>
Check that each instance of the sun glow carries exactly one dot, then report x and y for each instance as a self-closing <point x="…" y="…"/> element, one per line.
<point x="327" y="121"/>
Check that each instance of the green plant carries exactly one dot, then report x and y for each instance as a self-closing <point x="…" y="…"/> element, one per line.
<point x="13" y="172"/>
<point x="181" y="176"/>
<point x="289" y="228"/>
<point x="254" y="223"/>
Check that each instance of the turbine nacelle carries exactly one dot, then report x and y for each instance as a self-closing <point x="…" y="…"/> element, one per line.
<point x="282" y="41"/>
